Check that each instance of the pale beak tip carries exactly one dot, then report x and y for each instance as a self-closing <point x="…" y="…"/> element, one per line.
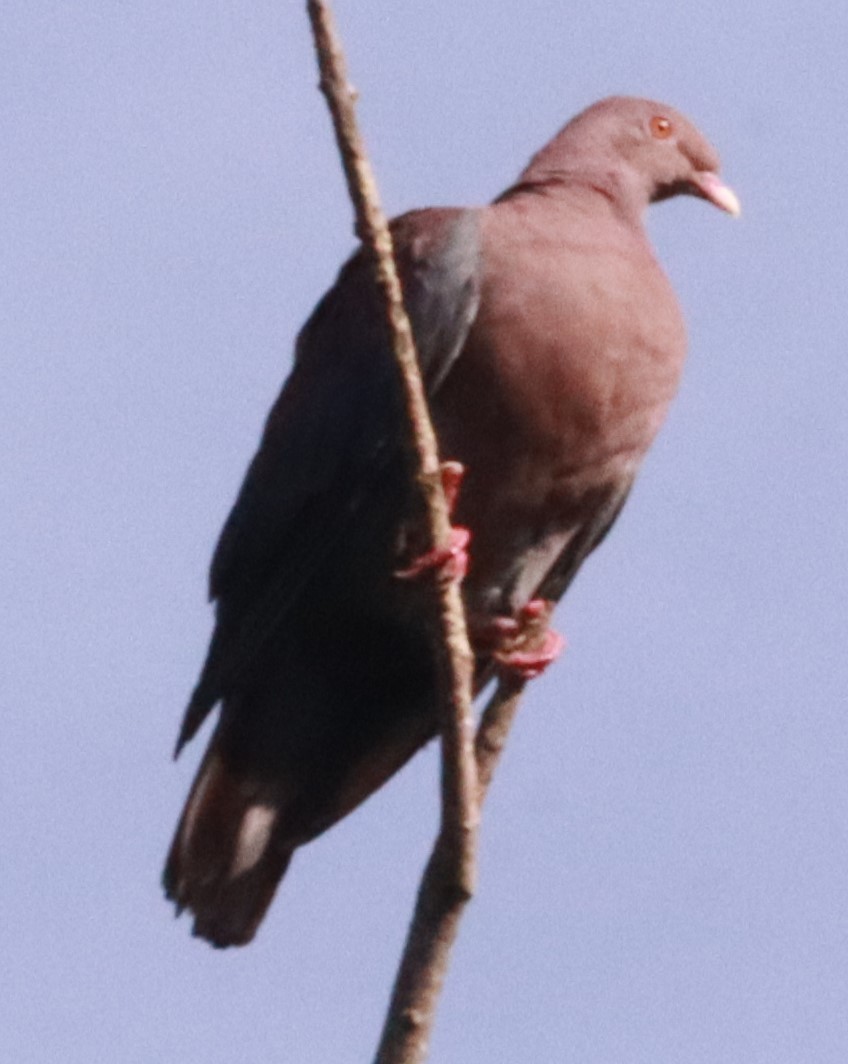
<point x="712" y="188"/>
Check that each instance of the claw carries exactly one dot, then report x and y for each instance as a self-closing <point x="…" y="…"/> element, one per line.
<point x="450" y="561"/>
<point x="528" y="664"/>
<point x="451" y="474"/>
<point x="524" y="645"/>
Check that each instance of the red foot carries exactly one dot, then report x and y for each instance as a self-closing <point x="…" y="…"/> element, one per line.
<point x="528" y="664"/>
<point x="451" y="561"/>
<point x="526" y="646"/>
<point x="452" y="474"/>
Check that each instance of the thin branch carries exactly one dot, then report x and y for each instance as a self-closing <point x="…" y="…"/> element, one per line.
<point x="498" y="716"/>
<point x="448" y="882"/>
<point x="493" y="732"/>
<point x="467" y="764"/>
<point x="435" y="922"/>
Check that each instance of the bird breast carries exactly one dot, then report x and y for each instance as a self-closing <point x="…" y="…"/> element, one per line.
<point x="564" y="380"/>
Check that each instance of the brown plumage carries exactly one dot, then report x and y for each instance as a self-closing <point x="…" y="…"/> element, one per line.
<point x="551" y="344"/>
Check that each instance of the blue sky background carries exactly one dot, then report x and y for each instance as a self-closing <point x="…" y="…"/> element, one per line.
<point x="664" y="852"/>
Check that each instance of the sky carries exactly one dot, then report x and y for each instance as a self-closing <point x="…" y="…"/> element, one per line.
<point x="664" y="850"/>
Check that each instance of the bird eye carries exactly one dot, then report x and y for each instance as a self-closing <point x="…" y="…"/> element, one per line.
<point x="661" y="127"/>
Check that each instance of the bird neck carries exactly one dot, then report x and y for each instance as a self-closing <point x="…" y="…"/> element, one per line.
<point x="620" y="190"/>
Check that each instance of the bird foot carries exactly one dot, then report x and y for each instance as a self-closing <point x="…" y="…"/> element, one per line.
<point x="451" y="561"/>
<point x="524" y="645"/>
<point x="528" y="664"/>
<point x="452" y="474"/>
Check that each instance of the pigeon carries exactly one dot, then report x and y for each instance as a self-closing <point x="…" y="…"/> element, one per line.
<point x="550" y="344"/>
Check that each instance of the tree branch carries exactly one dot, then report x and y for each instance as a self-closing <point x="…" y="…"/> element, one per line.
<point x="449" y="880"/>
<point x="467" y="766"/>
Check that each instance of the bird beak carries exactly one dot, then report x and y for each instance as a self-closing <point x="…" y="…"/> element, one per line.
<point x="712" y="188"/>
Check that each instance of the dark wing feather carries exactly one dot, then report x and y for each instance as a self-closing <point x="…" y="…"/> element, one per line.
<point x="331" y="433"/>
<point x="604" y="514"/>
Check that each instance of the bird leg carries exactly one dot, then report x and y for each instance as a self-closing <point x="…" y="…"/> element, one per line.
<point x="450" y="561"/>
<point x="522" y="646"/>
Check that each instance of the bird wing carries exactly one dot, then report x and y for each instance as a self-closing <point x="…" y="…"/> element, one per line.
<point x="332" y="432"/>
<point x="609" y="504"/>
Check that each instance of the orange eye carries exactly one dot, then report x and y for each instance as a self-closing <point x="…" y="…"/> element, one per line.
<point x="661" y="127"/>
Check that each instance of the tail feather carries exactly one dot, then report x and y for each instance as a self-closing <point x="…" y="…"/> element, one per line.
<point x="228" y="854"/>
<point x="251" y="805"/>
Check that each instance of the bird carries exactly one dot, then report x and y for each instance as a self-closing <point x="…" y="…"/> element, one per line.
<point x="550" y="343"/>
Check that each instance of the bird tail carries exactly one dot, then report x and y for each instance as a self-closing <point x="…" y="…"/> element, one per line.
<point x="228" y="854"/>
